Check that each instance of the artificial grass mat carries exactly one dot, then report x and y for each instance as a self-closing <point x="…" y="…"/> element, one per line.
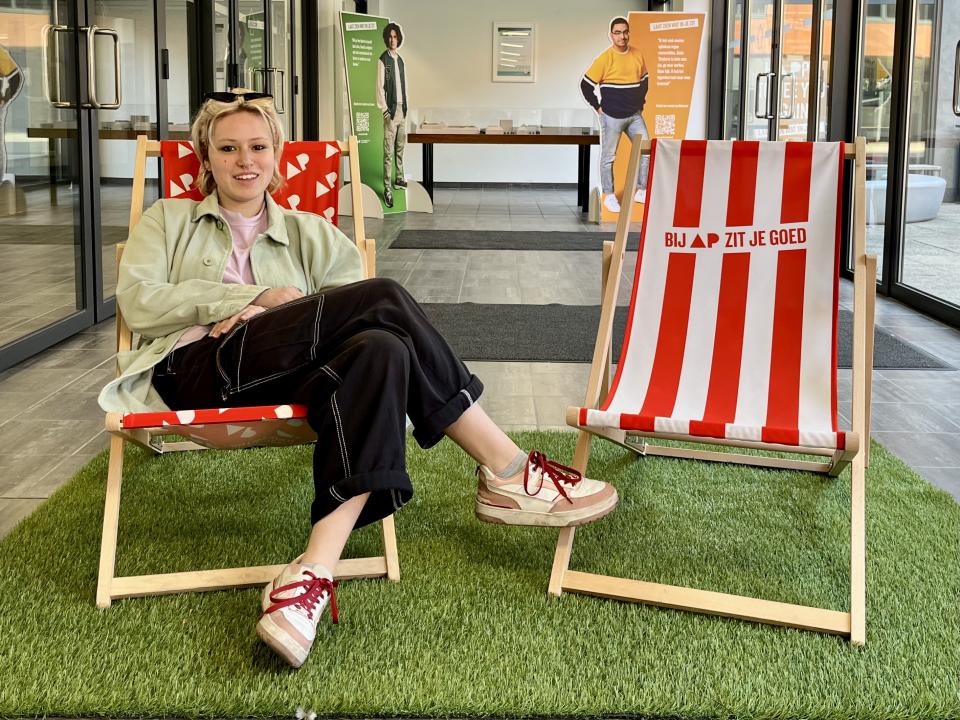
<point x="470" y="631"/>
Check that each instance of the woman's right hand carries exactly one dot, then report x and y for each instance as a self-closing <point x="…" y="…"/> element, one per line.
<point x="276" y="296"/>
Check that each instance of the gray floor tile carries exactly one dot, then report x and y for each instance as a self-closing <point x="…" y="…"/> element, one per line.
<point x="13" y="511"/>
<point x="923" y="449"/>
<point x="944" y="478"/>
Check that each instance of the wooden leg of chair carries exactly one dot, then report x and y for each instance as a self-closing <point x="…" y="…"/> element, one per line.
<point x="390" y="549"/>
<point x="606" y="261"/>
<point x="561" y="557"/>
<point x="561" y="560"/>
<point x="870" y="318"/>
<point x="111" y="518"/>
<point x="858" y="569"/>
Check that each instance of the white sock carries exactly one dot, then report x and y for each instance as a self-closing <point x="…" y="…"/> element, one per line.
<point x="518" y="463"/>
<point x="318" y="570"/>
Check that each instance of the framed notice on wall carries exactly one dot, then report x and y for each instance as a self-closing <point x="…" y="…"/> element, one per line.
<point x="514" y="52"/>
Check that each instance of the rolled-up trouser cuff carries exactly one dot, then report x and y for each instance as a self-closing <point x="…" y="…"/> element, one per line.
<point x="389" y="491"/>
<point x="429" y="431"/>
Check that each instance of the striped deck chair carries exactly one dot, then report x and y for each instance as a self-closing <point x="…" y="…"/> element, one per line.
<point x="311" y="171"/>
<point x="731" y="339"/>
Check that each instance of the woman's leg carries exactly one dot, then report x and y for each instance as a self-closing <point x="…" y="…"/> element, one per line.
<point x="482" y="439"/>
<point x="330" y="534"/>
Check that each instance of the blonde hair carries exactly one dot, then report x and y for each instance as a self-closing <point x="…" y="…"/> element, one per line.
<point x="201" y="133"/>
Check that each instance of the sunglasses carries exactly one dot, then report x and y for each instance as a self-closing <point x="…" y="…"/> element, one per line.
<point x="227" y="97"/>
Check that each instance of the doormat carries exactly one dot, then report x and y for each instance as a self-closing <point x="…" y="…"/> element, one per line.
<point x="504" y="240"/>
<point x="469" y="631"/>
<point x="567" y="333"/>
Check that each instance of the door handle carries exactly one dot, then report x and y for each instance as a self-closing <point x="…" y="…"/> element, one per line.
<point x="92" y="31"/>
<point x="252" y="74"/>
<point x="793" y="96"/>
<point x="756" y="97"/>
<point x="956" y="81"/>
<point x="280" y="106"/>
<point x="50" y="33"/>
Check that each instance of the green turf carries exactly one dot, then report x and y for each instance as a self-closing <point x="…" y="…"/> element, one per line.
<point x="469" y="630"/>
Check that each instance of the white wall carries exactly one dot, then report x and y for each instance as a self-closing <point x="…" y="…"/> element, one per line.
<point x="447" y="50"/>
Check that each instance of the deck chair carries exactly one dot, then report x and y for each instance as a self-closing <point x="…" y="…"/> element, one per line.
<point x="733" y="343"/>
<point x="311" y="170"/>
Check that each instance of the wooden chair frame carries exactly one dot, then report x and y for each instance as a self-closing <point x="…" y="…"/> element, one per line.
<point x="851" y="624"/>
<point x="109" y="586"/>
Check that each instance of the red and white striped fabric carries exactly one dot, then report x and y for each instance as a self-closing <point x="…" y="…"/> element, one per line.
<point x="231" y="428"/>
<point x="732" y="330"/>
<point x="310" y="170"/>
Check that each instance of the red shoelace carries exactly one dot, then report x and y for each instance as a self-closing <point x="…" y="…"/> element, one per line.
<point x="558" y="474"/>
<point x="314" y="590"/>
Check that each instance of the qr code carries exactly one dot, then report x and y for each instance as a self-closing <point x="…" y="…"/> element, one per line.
<point x="665" y="125"/>
<point x="363" y="122"/>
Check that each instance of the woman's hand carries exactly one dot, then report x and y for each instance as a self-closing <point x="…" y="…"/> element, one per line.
<point x="276" y="296"/>
<point x="226" y="325"/>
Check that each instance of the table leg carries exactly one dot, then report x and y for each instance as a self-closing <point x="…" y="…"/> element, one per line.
<point x="583" y="177"/>
<point x="428" y="169"/>
<point x="52" y="149"/>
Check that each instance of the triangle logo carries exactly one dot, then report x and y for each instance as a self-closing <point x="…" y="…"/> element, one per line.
<point x="697" y="242"/>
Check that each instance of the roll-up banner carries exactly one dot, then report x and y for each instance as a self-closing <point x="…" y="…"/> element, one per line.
<point x="377" y="96"/>
<point x="641" y="85"/>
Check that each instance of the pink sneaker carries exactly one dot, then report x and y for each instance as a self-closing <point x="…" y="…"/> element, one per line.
<point x="292" y="606"/>
<point x="549" y="495"/>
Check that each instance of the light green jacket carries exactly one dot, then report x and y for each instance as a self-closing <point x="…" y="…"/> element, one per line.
<point x="171" y="278"/>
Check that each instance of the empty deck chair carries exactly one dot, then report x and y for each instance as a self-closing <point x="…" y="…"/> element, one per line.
<point x="311" y="171"/>
<point x="732" y="339"/>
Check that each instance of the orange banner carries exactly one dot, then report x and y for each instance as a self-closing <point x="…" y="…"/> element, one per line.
<point x="670" y="45"/>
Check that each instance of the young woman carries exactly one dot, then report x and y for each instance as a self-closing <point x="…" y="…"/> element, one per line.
<point x="239" y="302"/>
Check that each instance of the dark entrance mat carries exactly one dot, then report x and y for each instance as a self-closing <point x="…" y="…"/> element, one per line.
<point x="504" y="240"/>
<point x="566" y="333"/>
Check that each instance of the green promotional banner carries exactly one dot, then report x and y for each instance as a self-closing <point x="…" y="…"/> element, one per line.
<point x="363" y="46"/>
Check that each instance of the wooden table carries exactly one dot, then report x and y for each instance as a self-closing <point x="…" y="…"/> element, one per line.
<point x="52" y="134"/>
<point x="572" y="137"/>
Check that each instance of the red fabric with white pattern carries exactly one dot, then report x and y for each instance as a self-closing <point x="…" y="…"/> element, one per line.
<point x="732" y="328"/>
<point x="231" y="428"/>
<point x="310" y="170"/>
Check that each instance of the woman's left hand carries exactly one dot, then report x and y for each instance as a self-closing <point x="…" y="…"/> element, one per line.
<point x="226" y="325"/>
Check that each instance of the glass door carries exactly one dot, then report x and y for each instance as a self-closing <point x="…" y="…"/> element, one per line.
<point x="44" y="259"/>
<point x="928" y="267"/>
<point x="774" y="78"/>
<point x="124" y="105"/>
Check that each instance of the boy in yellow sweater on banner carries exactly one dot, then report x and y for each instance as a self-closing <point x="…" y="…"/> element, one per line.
<point x="615" y="86"/>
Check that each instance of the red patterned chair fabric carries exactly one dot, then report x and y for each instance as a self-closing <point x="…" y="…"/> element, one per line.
<point x="231" y="428"/>
<point x="310" y="170"/>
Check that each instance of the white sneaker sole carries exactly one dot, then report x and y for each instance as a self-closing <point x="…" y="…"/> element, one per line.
<point x="533" y="518"/>
<point x="280" y="642"/>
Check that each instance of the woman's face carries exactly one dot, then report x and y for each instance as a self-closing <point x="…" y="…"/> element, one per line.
<point x="241" y="158"/>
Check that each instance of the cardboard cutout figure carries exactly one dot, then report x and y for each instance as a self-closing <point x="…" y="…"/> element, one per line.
<point x="11" y="82"/>
<point x="392" y="102"/>
<point x="615" y="86"/>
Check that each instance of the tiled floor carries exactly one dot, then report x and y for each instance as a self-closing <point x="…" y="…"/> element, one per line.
<point x="53" y="425"/>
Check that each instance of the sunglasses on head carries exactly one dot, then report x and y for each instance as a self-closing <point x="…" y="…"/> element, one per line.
<point x="228" y="96"/>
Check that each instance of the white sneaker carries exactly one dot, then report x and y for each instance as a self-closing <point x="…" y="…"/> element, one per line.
<point x="611" y="203"/>
<point x="548" y="495"/>
<point x="640" y="195"/>
<point x="292" y="605"/>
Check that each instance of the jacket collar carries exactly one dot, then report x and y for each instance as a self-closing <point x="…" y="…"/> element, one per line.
<point x="276" y="227"/>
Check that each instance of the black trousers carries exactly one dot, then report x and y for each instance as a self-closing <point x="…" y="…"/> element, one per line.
<point x="361" y="357"/>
